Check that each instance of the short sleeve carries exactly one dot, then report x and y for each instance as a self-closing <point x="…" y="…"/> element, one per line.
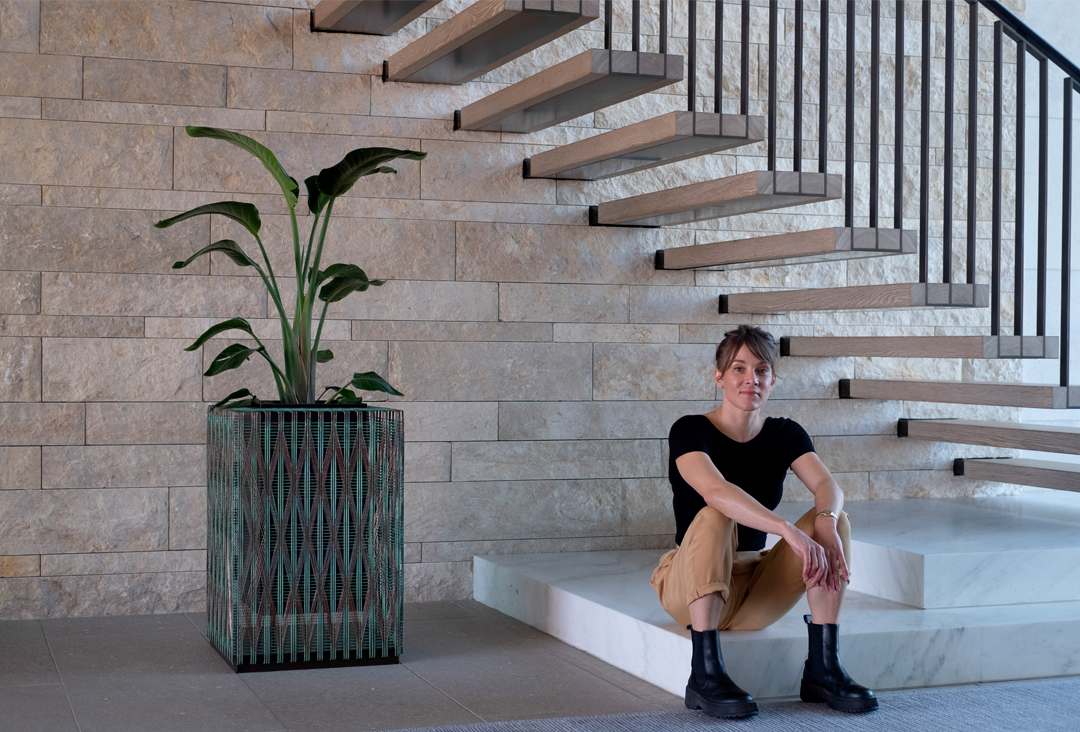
<point x="687" y="436"/>
<point x="795" y="441"/>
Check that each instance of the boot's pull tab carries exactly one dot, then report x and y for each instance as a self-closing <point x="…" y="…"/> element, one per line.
<point x="808" y="619"/>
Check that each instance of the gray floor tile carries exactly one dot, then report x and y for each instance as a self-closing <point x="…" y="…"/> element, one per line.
<point x="358" y="698"/>
<point x="36" y="709"/>
<point x="114" y="625"/>
<point x="435" y="611"/>
<point x="24" y="654"/>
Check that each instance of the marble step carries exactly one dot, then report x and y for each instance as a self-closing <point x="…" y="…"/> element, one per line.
<point x="373" y="17"/>
<point x="1022" y="436"/>
<point x="921" y="346"/>
<point x="1021" y="471"/>
<point x="602" y="603"/>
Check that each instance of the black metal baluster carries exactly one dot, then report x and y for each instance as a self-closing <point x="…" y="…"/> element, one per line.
<point x="1021" y="104"/>
<point x="691" y="59"/>
<point x="796" y="160"/>
<point x="875" y="107"/>
<point x="973" y="138"/>
<point x="773" y="12"/>
<point x="1066" y="228"/>
<point x="950" y="48"/>
<point x="635" y="6"/>
<point x="849" y="120"/>
<point x="1044" y="180"/>
<point x="744" y="85"/>
<point x="718" y="58"/>
<point x="663" y="26"/>
<point x="823" y="91"/>
<point x="924" y="150"/>
<point x="995" y="234"/>
<point x="607" y="25"/>
<point x="898" y="121"/>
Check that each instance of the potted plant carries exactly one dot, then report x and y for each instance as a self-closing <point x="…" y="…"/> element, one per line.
<point x="304" y="493"/>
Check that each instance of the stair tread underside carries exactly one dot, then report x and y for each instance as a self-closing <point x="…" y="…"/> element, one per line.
<point x="988" y="393"/>
<point x="375" y="17"/>
<point x="1022" y="471"/>
<point x="922" y="346"/>
<point x="857" y="297"/>
<point x="1017" y="435"/>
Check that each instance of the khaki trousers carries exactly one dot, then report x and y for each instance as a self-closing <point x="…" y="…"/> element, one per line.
<point x="758" y="588"/>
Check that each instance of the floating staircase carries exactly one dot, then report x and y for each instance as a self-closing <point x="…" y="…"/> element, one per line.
<point x="1037" y="473"/>
<point x="373" y="17"/>
<point x="921" y="346"/>
<point x="862" y="297"/>
<point x="1039" y="437"/>
<point x="646" y="144"/>
<point x="484" y="36"/>
<point x="988" y="393"/>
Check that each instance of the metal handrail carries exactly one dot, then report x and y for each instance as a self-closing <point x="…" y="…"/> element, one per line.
<point x="1032" y="38"/>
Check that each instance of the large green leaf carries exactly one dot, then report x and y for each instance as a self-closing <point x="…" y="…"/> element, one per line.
<point x="288" y="185"/>
<point x="231" y="358"/>
<point x="316" y="200"/>
<point x="239" y="398"/>
<point x="345" y="279"/>
<point x="244" y="214"/>
<point x="371" y="381"/>
<point x="233" y="324"/>
<point x="338" y="179"/>
<point x="228" y="247"/>
<point x="324" y="356"/>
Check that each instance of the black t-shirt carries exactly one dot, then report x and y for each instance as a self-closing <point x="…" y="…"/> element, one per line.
<point x="757" y="466"/>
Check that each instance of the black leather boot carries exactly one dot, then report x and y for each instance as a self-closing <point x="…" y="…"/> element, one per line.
<point x="709" y="688"/>
<point x="824" y="678"/>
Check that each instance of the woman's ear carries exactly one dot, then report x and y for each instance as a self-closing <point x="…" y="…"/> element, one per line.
<point x="717" y="375"/>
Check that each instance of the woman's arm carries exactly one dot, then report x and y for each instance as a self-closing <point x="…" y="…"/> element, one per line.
<point x="698" y="470"/>
<point x="827" y="497"/>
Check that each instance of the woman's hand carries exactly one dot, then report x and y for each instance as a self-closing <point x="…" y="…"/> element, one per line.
<point x="825" y="530"/>
<point x="813" y="555"/>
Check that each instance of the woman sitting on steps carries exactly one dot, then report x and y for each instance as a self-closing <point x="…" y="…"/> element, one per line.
<point x="727" y="472"/>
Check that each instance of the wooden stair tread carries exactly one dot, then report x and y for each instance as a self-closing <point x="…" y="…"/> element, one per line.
<point x="1021" y="471"/>
<point x="484" y="36"/>
<point x="713" y="199"/>
<point x="646" y="144"/>
<point x="816" y="245"/>
<point x="860" y="297"/>
<point x="375" y="17"/>
<point x="1021" y="436"/>
<point x="922" y="346"/>
<point x="988" y="393"/>
<point x="582" y="84"/>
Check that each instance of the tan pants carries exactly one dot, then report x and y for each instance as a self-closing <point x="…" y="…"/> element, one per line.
<point x="758" y="588"/>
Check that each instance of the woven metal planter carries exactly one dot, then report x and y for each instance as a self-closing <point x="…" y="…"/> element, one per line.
<point x="305" y="563"/>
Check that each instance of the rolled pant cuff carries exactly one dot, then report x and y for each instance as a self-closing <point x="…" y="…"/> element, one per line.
<point x="704" y="590"/>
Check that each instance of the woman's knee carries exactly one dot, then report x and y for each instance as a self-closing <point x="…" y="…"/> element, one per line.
<point x="710" y="517"/>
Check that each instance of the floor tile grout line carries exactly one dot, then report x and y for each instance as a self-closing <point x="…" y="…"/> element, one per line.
<point x="436" y="688"/>
<point x="607" y="681"/>
<point x="52" y="656"/>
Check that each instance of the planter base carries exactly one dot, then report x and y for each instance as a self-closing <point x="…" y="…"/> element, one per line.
<point x="248" y="668"/>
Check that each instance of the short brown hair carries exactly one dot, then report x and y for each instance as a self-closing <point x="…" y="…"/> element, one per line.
<point x="760" y="342"/>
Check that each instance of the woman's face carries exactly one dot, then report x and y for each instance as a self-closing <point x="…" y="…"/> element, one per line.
<point x="747" y="381"/>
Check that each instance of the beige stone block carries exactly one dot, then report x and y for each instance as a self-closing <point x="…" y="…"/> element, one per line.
<point x="1001" y="370"/>
<point x="384" y="248"/>
<point x="25" y="566"/>
<point x="19" y="25"/>
<point x="153" y="82"/>
<point x="16" y="195"/>
<point x="75" y="326"/>
<point x="406" y="330"/>
<point x="929" y="369"/>
<point x="651" y="371"/>
<point x="122" y="466"/>
<point x="461" y="551"/>
<point x="714" y="334"/>
<point x="20" y="292"/>
<point x="124" y="519"/>
<point x="427" y="101"/>
<point x="71" y="153"/>
<point x="31" y="75"/>
<point x="564" y="303"/>
<point x="884" y="452"/>
<point x="805" y="275"/>
<point x="152" y="114"/>
<point x="367" y="126"/>
<point x="601" y="255"/>
<point x="20" y="369"/>
<point x="31" y="423"/>
<point x="446" y="421"/>
<point x="96" y="595"/>
<point x="513" y="371"/>
<point x="422" y="300"/>
<point x="20" y="468"/>
<point x="571" y="460"/>
<point x="933" y="484"/>
<point x="214" y="33"/>
<point x="431" y="582"/>
<point x="131" y="199"/>
<point x="59" y="565"/>
<point x="146" y="423"/>
<point x="147" y="294"/>
<point x="187" y="518"/>
<point x="615" y="333"/>
<point x="521" y="509"/>
<point x="215" y="165"/>
<point x="413" y="552"/>
<point x="683" y="305"/>
<point x="477" y="171"/>
<point x="855" y="486"/>
<point x="646" y="507"/>
<point x="119" y="370"/>
<point x="635" y="420"/>
<point x="299" y="91"/>
<point x="427" y="462"/>
<point x="96" y="240"/>
<point x="266" y="329"/>
<point x="811" y="378"/>
<point x="23" y="107"/>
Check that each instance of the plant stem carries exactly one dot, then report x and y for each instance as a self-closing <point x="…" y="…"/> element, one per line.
<point x="315" y="350"/>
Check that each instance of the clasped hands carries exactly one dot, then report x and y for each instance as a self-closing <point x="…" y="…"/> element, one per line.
<point x="824" y="565"/>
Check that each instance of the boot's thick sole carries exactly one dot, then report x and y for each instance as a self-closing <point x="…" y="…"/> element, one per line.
<point x="728" y="710"/>
<point x="814" y="694"/>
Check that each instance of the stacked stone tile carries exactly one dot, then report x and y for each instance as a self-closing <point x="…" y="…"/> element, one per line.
<point x="542" y="360"/>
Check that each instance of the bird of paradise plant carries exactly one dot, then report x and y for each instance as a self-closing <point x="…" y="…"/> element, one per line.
<point x="295" y="377"/>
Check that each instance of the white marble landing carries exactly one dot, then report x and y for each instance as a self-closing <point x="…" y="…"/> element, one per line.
<point x="961" y="552"/>
<point x="602" y="603"/>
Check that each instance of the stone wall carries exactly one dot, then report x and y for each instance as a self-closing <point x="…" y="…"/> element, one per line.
<point x="542" y="360"/>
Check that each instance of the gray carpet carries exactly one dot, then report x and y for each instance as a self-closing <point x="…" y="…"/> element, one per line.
<point x="1031" y="706"/>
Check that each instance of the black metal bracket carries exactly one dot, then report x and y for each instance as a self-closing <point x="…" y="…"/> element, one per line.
<point x="385" y="71"/>
<point x="659" y="260"/>
<point x="594" y="220"/>
<point x="958" y="466"/>
<point x="723" y="305"/>
<point x="457" y="120"/>
<point x="845" y="388"/>
<point x="785" y="345"/>
<point x="526" y="168"/>
<point x="902" y="427"/>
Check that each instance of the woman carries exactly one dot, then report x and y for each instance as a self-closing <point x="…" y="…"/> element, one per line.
<point x="727" y="472"/>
